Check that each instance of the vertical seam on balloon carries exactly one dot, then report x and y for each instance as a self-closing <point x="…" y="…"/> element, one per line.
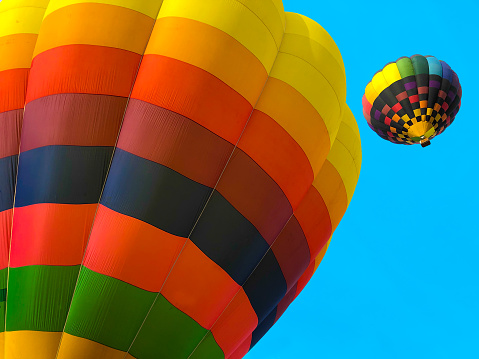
<point x="206" y="204"/>
<point x="106" y="178"/>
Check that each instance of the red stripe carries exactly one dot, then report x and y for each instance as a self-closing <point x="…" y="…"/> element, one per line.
<point x="413" y="99"/>
<point x="396" y="107"/>
<point x="50" y="234"/>
<point x="10" y="130"/>
<point x="165" y="137"/>
<point x="5" y="233"/>
<point x="13" y="86"/>
<point x="72" y="120"/>
<point x="116" y="251"/>
<point x="193" y="93"/>
<point x="305" y="278"/>
<point x="242" y="349"/>
<point x="83" y="69"/>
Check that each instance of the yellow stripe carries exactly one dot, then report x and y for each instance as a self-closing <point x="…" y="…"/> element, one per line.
<point x="31" y="344"/>
<point x="149" y="7"/>
<point x="370" y="93"/>
<point x="7" y="5"/>
<point x="298" y="117"/>
<point x="235" y="19"/>
<point x="95" y="24"/>
<point x="302" y="25"/>
<point x="73" y="347"/>
<point x="25" y="20"/>
<point x="212" y="50"/>
<point x="16" y="51"/>
<point x="313" y="86"/>
<point x="379" y="82"/>
<point x="391" y="73"/>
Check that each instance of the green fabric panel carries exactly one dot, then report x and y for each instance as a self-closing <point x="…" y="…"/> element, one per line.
<point x="107" y="310"/>
<point x="208" y="349"/>
<point x="3" y="297"/>
<point x="420" y="64"/>
<point x="39" y="297"/>
<point x="169" y="333"/>
<point x="405" y="67"/>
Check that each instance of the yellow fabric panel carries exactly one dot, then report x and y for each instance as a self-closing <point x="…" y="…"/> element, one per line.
<point x="320" y="256"/>
<point x="331" y="188"/>
<point x="212" y="50"/>
<point x="287" y="107"/>
<point x="318" y="56"/>
<point x="302" y="25"/>
<point x="31" y="344"/>
<point x="6" y="5"/>
<point x="147" y="7"/>
<point x="233" y="18"/>
<point x="73" y="347"/>
<point x="391" y="73"/>
<point x="95" y="24"/>
<point x="25" y="20"/>
<point x="2" y="343"/>
<point x="16" y="51"/>
<point x="313" y="86"/>
<point x="370" y="93"/>
<point x="379" y="82"/>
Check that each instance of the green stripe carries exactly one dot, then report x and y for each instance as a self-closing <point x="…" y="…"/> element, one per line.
<point x="107" y="310"/>
<point x="39" y="297"/>
<point x="170" y="333"/>
<point x="405" y="67"/>
<point x="421" y="66"/>
<point x="3" y="297"/>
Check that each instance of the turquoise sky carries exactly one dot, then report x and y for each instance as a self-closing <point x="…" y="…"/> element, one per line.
<point x="400" y="277"/>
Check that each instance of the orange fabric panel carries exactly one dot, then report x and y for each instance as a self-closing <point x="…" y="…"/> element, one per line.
<point x="235" y="324"/>
<point x="17" y="50"/>
<point x="13" y="88"/>
<point x="331" y="187"/>
<point x="73" y="347"/>
<point x="212" y="50"/>
<point x="10" y="129"/>
<point x="50" y="234"/>
<point x="193" y="93"/>
<point x="289" y="108"/>
<point x="199" y="287"/>
<point x="242" y="350"/>
<point x="304" y="279"/>
<point x="95" y="24"/>
<point x="83" y="69"/>
<point x="165" y="137"/>
<point x="271" y="147"/>
<point x="5" y="232"/>
<point x="313" y="216"/>
<point x="130" y="250"/>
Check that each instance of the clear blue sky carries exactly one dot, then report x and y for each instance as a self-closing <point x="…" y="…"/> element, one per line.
<point x="400" y="279"/>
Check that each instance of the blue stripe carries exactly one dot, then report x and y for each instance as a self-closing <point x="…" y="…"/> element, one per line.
<point x="62" y="174"/>
<point x="8" y="174"/>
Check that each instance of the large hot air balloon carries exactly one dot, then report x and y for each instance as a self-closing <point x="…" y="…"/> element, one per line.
<point x="412" y="100"/>
<point x="182" y="166"/>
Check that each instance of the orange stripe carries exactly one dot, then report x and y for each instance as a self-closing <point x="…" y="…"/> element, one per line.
<point x="50" y="234"/>
<point x="271" y="147"/>
<point x="212" y="50"/>
<point x="83" y="69"/>
<point x="313" y="216"/>
<point x="331" y="188"/>
<point x="5" y="233"/>
<point x="17" y="51"/>
<point x="116" y="251"/>
<point x="13" y="88"/>
<point x="95" y="24"/>
<point x="193" y="93"/>
<point x="199" y="287"/>
<point x="235" y="324"/>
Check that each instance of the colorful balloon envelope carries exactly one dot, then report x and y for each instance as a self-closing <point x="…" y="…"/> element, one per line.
<point x="412" y="100"/>
<point x="171" y="173"/>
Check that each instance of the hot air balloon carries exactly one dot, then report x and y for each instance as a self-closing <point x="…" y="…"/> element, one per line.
<point x="412" y="100"/>
<point x="176" y="171"/>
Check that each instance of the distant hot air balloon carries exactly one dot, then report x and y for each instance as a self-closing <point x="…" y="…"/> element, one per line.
<point x="412" y="100"/>
<point x="182" y="166"/>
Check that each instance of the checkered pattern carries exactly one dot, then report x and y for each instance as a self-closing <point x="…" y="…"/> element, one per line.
<point x="431" y="94"/>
